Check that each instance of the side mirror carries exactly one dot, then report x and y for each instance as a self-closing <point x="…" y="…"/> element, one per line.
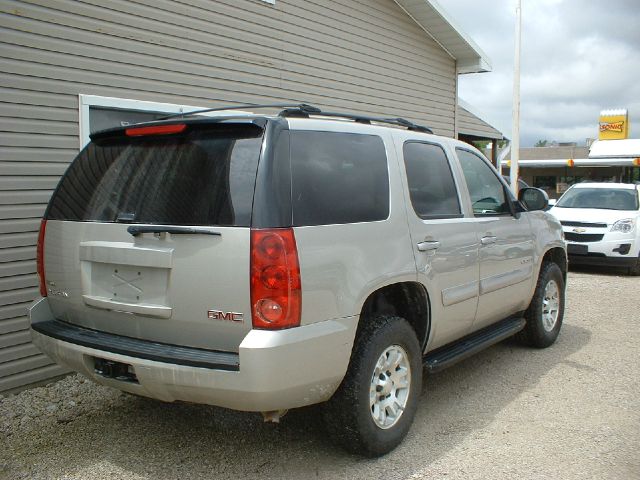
<point x="533" y="198"/>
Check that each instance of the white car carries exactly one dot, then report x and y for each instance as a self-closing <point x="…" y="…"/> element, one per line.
<point x="600" y="224"/>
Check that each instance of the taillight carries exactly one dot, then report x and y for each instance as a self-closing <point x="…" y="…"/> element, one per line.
<point x="40" y="258"/>
<point x="276" y="297"/>
<point x="155" y="130"/>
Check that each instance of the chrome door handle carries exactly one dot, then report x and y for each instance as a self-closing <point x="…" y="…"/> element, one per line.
<point x="488" y="240"/>
<point x="428" y="246"/>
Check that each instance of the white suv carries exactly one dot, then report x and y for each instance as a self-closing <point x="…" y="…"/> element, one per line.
<point x="267" y="262"/>
<point x="600" y="223"/>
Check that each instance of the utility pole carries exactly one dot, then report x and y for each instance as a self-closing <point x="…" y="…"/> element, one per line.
<point x="515" y="142"/>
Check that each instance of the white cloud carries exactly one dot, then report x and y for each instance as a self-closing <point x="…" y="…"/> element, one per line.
<point x="577" y="59"/>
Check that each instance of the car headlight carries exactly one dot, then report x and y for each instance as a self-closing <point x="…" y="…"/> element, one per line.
<point x="625" y="225"/>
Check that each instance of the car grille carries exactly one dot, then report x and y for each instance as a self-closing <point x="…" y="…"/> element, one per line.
<point x="583" y="237"/>
<point x="583" y="224"/>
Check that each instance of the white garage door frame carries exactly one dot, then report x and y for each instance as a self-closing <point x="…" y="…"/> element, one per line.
<point x="87" y="101"/>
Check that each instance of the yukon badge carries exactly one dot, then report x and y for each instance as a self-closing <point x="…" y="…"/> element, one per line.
<point x="228" y="316"/>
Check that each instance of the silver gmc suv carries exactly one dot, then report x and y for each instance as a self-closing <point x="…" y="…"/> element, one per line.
<point x="268" y="262"/>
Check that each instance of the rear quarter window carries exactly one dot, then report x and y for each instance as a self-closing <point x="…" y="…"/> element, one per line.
<point x="338" y="178"/>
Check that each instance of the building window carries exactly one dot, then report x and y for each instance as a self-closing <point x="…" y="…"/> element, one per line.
<point x="98" y="113"/>
<point x="545" y="182"/>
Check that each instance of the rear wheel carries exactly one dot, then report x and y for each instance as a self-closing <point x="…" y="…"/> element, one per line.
<point x="546" y="311"/>
<point x="372" y="410"/>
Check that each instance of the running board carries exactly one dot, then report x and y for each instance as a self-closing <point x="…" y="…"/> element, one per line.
<point x="452" y="353"/>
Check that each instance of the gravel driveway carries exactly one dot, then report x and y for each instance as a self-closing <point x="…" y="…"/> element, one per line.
<point x="571" y="411"/>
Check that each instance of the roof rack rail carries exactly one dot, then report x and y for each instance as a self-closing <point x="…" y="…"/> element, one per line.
<point x="400" y="122"/>
<point x="302" y="108"/>
<point x="305" y="110"/>
<point x="409" y="125"/>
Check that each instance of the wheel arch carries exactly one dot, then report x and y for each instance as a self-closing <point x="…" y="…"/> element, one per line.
<point x="408" y="300"/>
<point x="558" y="256"/>
<point x="553" y="254"/>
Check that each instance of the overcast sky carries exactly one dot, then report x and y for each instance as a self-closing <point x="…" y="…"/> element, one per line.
<point x="578" y="58"/>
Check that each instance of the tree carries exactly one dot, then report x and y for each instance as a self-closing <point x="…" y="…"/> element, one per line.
<point x="541" y="143"/>
<point x="484" y="144"/>
<point x="481" y="144"/>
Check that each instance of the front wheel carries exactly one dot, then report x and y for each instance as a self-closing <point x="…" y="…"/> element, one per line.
<point x="546" y="311"/>
<point x="372" y="410"/>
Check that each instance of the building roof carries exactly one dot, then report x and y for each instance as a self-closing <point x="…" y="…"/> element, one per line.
<point x="629" y="148"/>
<point x="440" y="26"/>
<point x="575" y="162"/>
<point x="470" y="123"/>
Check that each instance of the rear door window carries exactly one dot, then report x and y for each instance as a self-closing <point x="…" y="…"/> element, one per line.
<point x="205" y="176"/>
<point x="338" y="178"/>
<point x="431" y="187"/>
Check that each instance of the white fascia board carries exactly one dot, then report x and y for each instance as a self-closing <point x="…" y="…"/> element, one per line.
<point x="480" y="66"/>
<point x="429" y="14"/>
<point x="472" y="65"/>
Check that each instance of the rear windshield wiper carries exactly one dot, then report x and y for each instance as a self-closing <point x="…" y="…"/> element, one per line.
<point x="136" y="230"/>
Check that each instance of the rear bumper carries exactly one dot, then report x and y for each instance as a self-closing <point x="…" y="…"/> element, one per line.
<point x="273" y="370"/>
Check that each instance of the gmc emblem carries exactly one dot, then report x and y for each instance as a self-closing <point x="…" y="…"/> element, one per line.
<point x="229" y="316"/>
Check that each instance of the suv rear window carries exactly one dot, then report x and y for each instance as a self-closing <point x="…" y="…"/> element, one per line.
<point x="338" y="178"/>
<point x="205" y="176"/>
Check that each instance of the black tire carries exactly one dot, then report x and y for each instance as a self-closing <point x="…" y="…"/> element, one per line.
<point x="348" y="414"/>
<point x="634" y="271"/>
<point x="537" y="333"/>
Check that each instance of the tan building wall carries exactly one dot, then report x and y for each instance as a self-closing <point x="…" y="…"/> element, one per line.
<point x="365" y="56"/>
